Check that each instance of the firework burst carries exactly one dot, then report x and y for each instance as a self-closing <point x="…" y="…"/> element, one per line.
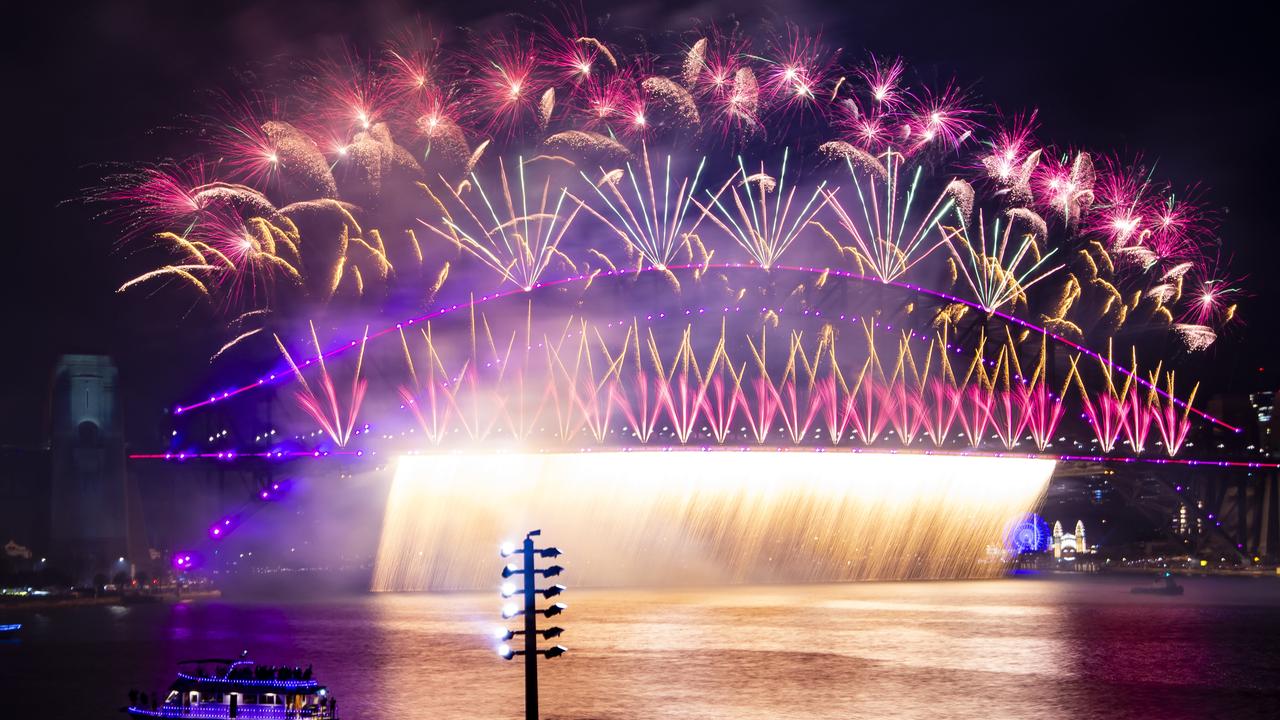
<point x="648" y="212"/>
<point x="995" y="276"/>
<point x="374" y="178"/>
<point x="878" y="224"/>
<point x="521" y="233"/>
<point x="764" y="232"/>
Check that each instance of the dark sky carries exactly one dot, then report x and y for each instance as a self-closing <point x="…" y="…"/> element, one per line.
<point x="1193" y="89"/>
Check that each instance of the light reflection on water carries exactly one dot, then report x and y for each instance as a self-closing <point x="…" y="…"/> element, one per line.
<point x="1080" y="647"/>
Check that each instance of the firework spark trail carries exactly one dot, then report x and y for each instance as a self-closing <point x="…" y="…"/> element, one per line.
<point x="703" y="398"/>
<point x="180" y="271"/>
<point x="521" y="243"/>
<point x="323" y="406"/>
<point x="1030" y="327"/>
<point x="995" y="280"/>
<point x="881" y="238"/>
<point x="1196" y="337"/>
<point x="424" y="397"/>
<point x="673" y="385"/>
<point x="1107" y="412"/>
<point x="749" y="224"/>
<point x="234" y="341"/>
<point x="1044" y="410"/>
<point x="1139" y="416"/>
<point x="1173" y="424"/>
<point x="653" y="225"/>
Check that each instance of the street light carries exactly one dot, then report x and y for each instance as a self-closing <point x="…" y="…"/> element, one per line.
<point x="530" y="612"/>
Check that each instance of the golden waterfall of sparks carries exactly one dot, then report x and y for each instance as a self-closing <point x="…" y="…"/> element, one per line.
<point x="655" y="518"/>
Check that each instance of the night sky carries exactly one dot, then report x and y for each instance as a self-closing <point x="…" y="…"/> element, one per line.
<point x="1191" y="89"/>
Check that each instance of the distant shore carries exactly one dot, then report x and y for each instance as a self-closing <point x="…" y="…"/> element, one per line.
<point x="50" y="601"/>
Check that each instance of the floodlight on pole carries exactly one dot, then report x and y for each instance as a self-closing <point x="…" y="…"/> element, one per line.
<point x="530" y="611"/>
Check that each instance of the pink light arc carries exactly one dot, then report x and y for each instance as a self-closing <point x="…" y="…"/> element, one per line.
<point x="844" y="274"/>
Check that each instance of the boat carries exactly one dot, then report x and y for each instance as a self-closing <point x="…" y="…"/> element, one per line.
<point x="1168" y="587"/>
<point x="215" y="688"/>
<point x="10" y="629"/>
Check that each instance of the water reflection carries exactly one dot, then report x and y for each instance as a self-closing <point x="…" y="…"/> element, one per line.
<point x="1010" y="648"/>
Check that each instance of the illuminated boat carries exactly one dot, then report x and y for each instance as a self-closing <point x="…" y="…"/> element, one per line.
<point x="211" y="689"/>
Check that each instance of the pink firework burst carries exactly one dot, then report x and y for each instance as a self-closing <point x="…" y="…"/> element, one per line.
<point x="412" y="62"/>
<point x="712" y="63"/>
<point x="634" y="119"/>
<point x="864" y="125"/>
<point x="939" y="119"/>
<point x="160" y="196"/>
<point x="882" y="79"/>
<point x="240" y="137"/>
<point x="1210" y="296"/>
<point x="507" y="84"/>
<point x="1065" y="186"/>
<point x="1178" y="230"/>
<point x="574" y="57"/>
<point x="353" y="94"/>
<point x="433" y="113"/>
<point x="797" y="72"/>
<point x="1126" y="205"/>
<point x="1013" y="159"/>
<point x="602" y="100"/>
<point x="717" y="72"/>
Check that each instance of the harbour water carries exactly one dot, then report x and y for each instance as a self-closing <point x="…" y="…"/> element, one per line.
<point x="1068" y="647"/>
